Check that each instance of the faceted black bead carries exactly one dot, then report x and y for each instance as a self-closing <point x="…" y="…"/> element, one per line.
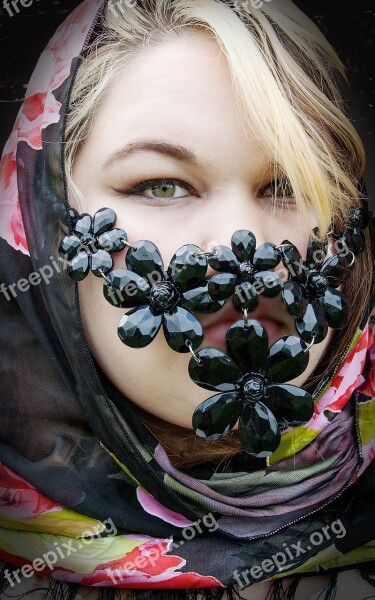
<point x="103" y="220"/>
<point x="293" y="299"/>
<point x="224" y="260"/>
<point x="163" y="297"/>
<point x="258" y="430"/>
<point x="180" y="327"/>
<point x="336" y="307"/>
<point x="145" y="260"/>
<point x="138" y="327"/>
<point x="217" y="370"/>
<point x="114" y="296"/>
<point x="73" y="216"/>
<point x="83" y="224"/>
<point x="186" y="269"/>
<point x="359" y="217"/>
<point x="199" y="300"/>
<point x="267" y="284"/>
<point x="222" y="285"/>
<point x="113" y="240"/>
<point x="292" y="260"/>
<point x="248" y="347"/>
<point x="243" y="244"/>
<point x="267" y="256"/>
<point x="100" y="262"/>
<point x="290" y="403"/>
<point x="130" y="283"/>
<point x="312" y="323"/>
<point x="287" y="358"/>
<point x="245" y="296"/>
<point x="79" y="267"/>
<point x="125" y="289"/>
<point x="69" y="246"/>
<point x="335" y="269"/>
<point x="216" y="416"/>
<point x="316" y="250"/>
<point x="354" y="240"/>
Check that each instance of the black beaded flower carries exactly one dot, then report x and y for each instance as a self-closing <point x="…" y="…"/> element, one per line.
<point x="244" y="272"/>
<point x="249" y="380"/>
<point x="90" y="244"/>
<point x="160" y="297"/>
<point x="309" y="295"/>
<point x="353" y="238"/>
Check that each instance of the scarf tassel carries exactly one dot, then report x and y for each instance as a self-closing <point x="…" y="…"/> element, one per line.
<point x="61" y="590"/>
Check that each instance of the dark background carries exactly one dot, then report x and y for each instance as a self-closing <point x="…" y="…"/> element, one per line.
<point x="350" y="29"/>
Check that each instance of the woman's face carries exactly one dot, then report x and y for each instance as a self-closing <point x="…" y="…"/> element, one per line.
<point x="172" y="115"/>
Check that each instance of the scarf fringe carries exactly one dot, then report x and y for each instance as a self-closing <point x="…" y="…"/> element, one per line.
<point x="55" y="590"/>
<point x="370" y="578"/>
<point x="277" y="591"/>
<point x="330" y="590"/>
<point x="61" y="590"/>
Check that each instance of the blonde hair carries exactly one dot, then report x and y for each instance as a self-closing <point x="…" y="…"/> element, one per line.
<point x="286" y="77"/>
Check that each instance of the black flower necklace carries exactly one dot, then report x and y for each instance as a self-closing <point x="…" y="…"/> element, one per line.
<point x="159" y="297"/>
<point x="244" y="272"/>
<point x="91" y="243"/>
<point x="250" y="379"/>
<point x="310" y="293"/>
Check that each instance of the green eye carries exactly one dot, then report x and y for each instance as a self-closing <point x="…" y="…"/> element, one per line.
<point x="165" y="190"/>
<point x="162" y="189"/>
<point x="279" y="188"/>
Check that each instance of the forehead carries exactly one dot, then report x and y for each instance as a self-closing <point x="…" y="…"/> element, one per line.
<point x="177" y="90"/>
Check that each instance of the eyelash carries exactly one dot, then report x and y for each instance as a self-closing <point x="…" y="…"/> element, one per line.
<point x="141" y="187"/>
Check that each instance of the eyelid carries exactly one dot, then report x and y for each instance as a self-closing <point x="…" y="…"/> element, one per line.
<point x="138" y="189"/>
<point x="142" y="185"/>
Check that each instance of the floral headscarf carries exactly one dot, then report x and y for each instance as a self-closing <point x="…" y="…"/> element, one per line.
<point x="84" y="486"/>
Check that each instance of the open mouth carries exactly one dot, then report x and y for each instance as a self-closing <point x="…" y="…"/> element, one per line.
<point x="215" y="334"/>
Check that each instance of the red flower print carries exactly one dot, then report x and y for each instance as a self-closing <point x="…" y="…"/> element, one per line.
<point x="39" y="110"/>
<point x="21" y="500"/>
<point x="11" y="226"/>
<point x="146" y="566"/>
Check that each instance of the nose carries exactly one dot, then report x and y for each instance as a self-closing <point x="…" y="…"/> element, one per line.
<point x="230" y="213"/>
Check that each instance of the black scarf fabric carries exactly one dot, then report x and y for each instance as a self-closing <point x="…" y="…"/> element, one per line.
<point x="78" y="466"/>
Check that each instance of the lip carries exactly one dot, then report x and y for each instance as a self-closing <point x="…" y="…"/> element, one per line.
<point x="215" y="330"/>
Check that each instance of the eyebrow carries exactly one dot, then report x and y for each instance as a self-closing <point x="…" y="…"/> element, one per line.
<point x="177" y="152"/>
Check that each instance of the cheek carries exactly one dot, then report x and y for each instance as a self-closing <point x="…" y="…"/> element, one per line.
<point x="168" y="230"/>
<point x="296" y="232"/>
<point x="100" y="320"/>
<point x="155" y="378"/>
